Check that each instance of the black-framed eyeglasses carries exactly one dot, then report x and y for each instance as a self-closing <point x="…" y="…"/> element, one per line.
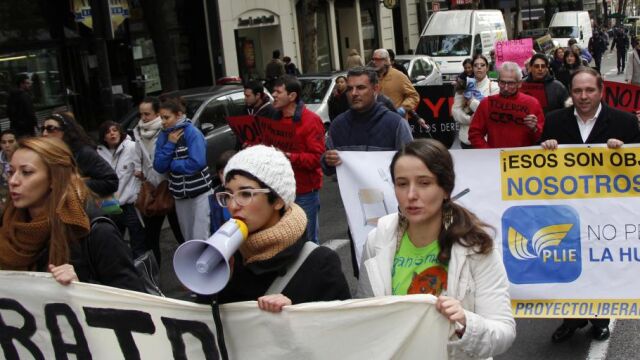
<point x="241" y="197"/>
<point x="50" y="128"/>
<point x="507" y="83"/>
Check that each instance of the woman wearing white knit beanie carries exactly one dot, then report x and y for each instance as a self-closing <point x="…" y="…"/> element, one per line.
<point x="260" y="189"/>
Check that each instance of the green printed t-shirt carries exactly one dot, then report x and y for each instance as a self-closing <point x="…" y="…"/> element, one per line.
<point x="417" y="270"/>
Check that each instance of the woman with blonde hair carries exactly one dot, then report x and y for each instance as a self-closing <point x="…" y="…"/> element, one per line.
<point x="47" y="225"/>
<point x="435" y="246"/>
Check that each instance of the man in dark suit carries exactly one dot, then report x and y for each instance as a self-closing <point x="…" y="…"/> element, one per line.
<point x="588" y="121"/>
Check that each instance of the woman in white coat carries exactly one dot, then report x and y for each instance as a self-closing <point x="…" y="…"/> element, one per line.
<point x="464" y="106"/>
<point x="120" y="152"/>
<point x="436" y="246"/>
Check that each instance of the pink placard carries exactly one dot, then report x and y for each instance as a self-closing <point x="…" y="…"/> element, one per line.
<point x="517" y="51"/>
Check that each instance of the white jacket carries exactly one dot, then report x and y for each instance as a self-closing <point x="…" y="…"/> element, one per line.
<point x="632" y="70"/>
<point x="125" y="162"/>
<point x="479" y="281"/>
<point x="145" y="159"/>
<point x="462" y="115"/>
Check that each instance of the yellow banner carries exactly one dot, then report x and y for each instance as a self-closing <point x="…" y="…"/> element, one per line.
<point x="82" y="12"/>
<point x="570" y="173"/>
<point x="577" y="308"/>
<point x="118" y="12"/>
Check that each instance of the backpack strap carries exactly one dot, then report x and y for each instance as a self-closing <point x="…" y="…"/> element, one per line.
<point x="93" y="274"/>
<point x="281" y="281"/>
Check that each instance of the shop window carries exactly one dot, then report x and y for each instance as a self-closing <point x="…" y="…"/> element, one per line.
<point x="324" y="45"/>
<point x="41" y="66"/>
<point x="369" y="28"/>
<point x="22" y="21"/>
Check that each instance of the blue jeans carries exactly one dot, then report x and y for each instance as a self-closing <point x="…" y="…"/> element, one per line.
<point x="310" y="203"/>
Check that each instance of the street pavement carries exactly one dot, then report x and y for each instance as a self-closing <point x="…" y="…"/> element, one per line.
<point x="534" y="335"/>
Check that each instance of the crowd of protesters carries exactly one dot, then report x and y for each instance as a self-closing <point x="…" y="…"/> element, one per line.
<point x="68" y="201"/>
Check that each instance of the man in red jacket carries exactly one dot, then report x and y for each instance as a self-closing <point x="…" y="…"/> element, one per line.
<point x="301" y="137"/>
<point x="508" y="119"/>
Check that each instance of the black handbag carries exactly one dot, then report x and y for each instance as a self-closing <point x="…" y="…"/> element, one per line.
<point x="148" y="269"/>
<point x="146" y="264"/>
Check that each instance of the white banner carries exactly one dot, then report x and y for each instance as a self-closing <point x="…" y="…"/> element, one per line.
<point x="41" y="319"/>
<point x="566" y="221"/>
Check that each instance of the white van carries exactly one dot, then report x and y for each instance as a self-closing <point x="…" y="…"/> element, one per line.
<point x="451" y="36"/>
<point x="565" y="25"/>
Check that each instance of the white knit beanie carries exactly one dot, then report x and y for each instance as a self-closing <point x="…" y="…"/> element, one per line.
<point x="270" y="166"/>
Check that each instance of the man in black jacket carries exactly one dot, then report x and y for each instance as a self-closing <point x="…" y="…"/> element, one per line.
<point x="257" y="101"/>
<point x="554" y="94"/>
<point x="20" y="107"/>
<point x="597" y="48"/>
<point x="621" y="43"/>
<point x="589" y="121"/>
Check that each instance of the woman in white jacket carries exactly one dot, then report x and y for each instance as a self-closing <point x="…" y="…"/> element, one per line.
<point x="632" y="72"/>
<point x="436" y="246"/>
<point x="465" y="103"/>
<point x="120" y="152"/>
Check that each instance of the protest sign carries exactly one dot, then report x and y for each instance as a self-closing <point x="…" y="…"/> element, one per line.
<point x="246" y="129"/>
<point x="252" y="130"/>
<point x="278" y="132"/>
<point x="545" y="43"/>
<point x="504" y="110"/>
<point x="565" y="221"/>
<point x="435" y="108"/>
<point x="535" y="89"/>
<point x="42" y="319"/>
<point x="517" y="51"/>
<point x="625" y="97"/>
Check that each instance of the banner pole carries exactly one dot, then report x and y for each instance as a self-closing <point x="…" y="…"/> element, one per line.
<point x="215" y="309"/>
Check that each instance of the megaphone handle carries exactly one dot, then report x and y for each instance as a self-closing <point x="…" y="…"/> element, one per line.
<point x="215" y="310"/>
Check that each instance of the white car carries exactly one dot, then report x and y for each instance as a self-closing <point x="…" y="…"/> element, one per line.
<point x="422" y="69"/>
<point x="316" y="90"/>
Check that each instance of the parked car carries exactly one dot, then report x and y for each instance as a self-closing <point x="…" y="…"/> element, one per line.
<point x="316" y="90"/>
<point x="422" y="70"/>
<point x="208" y="108"/>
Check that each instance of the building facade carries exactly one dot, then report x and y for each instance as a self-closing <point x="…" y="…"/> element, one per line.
<point x="251" y="29"/>
<point x="54" y="42"/>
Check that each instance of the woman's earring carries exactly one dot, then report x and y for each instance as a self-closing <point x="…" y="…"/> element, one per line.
<point x="447" y="215"/>
<point x="400" y="214"/>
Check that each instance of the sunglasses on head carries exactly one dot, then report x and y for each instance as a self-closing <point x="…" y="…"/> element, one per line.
<point x="49" y="128"/>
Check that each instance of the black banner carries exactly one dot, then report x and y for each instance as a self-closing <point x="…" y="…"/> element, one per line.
<point x="435" y="108"/>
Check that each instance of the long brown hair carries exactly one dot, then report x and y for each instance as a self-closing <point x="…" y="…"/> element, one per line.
<point x="66" y="184"/>
<point x="466" y="229"/>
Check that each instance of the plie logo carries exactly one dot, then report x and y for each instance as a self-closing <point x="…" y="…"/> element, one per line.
<point x="541" y="244"/>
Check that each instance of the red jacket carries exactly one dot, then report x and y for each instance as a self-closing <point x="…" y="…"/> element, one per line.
<point x="304" y="149"/>
<point x="500" y="119"/>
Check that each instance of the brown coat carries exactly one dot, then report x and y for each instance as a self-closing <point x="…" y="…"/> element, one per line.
<point x="397" y="87"/>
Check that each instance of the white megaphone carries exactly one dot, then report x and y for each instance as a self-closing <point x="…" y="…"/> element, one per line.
<point x="203" y="265"/>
